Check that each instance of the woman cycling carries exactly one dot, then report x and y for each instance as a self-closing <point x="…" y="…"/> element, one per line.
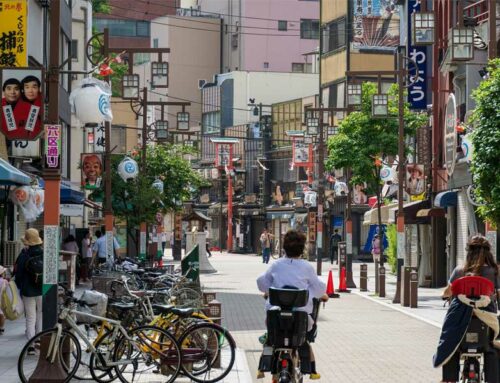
<point x="293" y="271"/>
<point x="479" y="261"/>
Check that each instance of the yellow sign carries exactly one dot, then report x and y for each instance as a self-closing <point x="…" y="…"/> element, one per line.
<point x="13" y="33"/>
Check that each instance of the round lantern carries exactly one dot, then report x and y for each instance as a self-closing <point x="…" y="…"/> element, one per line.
<point x="158" y="185"/>
<point x="128" y="169"/>
<point x="341" y="188"/>
<point x="21" y="195"/>
<point x="386" y="173"/>
<point x="467" y="148"/>
<point x="91" y="103"/>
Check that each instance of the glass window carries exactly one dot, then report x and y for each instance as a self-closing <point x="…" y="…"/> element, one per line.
<point x="334" y="35"/>
<point x="155" y="43"/>
<point x="282" y="25"/>
<point x="266" y="65"/>
<point x="74" y="50"/>
<point x="309" y="29"/>
<point x="143" y="28"/>
<point x="211" y="122"/>
<point x="125" y="28"/>
<point x="298" y="67"/>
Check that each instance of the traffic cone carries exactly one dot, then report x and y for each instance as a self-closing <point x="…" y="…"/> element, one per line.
<point x="342" y="282"/>
<point x="330" y="290"/>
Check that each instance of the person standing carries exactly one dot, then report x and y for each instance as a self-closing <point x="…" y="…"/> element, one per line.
<point x="207" y="241"/>
<point x="86" y="257"/>
<point x="265" y="244"/>
<point x="28" y="277"/>
<point x="334" y="240"/>
<point x="3" y="285"/>
<point x="163" y="240"/>
<point x="99" y="249"/>
<point x="70" y="244"/>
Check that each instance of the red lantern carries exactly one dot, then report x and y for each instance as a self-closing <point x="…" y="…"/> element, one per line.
<point x="105" y="70"/>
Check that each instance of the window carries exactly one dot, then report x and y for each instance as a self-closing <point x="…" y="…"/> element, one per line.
<point x="125" y="28"/>
<point x="142" y="29"/>
<point x="74" y="50"/>
<point x="301" y="68"/>
<point x="334" y="35"/>
<point x="309" y="29"/>
<point x="211" y="122"/>
<point x="155" y="43"/>
<point x="266" y="65"/>
<point x="282" y="25"/>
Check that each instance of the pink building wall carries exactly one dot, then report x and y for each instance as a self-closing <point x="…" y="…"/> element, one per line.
<point x="279" y="51"/>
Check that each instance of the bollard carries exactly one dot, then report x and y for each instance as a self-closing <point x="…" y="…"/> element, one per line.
<point x="363" y="277"/>
<point x="209" y="297"/>
<point x="414" y="289"/>
<point x="405" y="286"/>
<point x="377" y="286"/>
<point x="381" y="274"/>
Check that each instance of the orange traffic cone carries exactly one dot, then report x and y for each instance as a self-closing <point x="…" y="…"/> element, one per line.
<point x="342" y="282"/>
<point x="330" y="290"/>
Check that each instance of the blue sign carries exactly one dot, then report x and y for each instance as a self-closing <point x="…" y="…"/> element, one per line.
<point x="417" y="93"/>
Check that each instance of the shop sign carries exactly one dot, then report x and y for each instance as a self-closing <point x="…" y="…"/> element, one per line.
<point x="52" y="156"/>
<point x="312" y="226"/>
<point x="472" y="196"/>
<point x="450" y="135"/>
<point x="417" y="91"/>
<point x="301" y="153"/>
<point x="13" y="32"/>
<point x="26" y="148"/>
<point x="71" y="210"/>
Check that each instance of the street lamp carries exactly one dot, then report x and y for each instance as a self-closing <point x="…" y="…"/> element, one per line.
<point x="308" y="139"/>
<point x="332" y="131"/>
<point x="354" y="94"/>
<point x="159" y="74"/>
<point x="380" y="105"/>
<point x="161" y="129"/>
<point x="182" y="121"/>
<point x="423" y="28"/>
<point x="312" y="124"/>
<point x="461" y="42"/>
<point x="189" y="143"/>
<point x="130" y="87"/>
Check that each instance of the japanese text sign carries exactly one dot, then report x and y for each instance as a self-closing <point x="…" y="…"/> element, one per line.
<point x="21" y="114"/>
<point x="13" y="28"/>
<point x="417" y="92"/>
<point x="52" y="155"/>
<point x="302" y="153"/>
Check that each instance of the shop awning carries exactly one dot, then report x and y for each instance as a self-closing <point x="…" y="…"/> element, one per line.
<point x="445" y="199"/>
<point x="371" y="216"/>
<point x="69" y="193"/>
<point x="11" y="176"/>
<point x="433" y="212"/>
<point x="410" y="210"/>
<point x="283" y="214"/>
<point x="197" y="215"/>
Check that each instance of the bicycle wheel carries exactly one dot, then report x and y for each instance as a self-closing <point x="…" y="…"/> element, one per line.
<point x="105" y="347"/>
<point x="93" y="333"/>
<point x="208" y="352"/>
<point x="64" y="362"/>
<point x="149" y="354"/>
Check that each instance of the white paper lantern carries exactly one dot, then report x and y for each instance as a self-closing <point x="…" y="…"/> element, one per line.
<point x="128" y="169"/>
<point x="467" y="147"/>
<point x="386" y="174"/>
<point x="91" y="102"/>
<point x="158" y="184"/>
<point x="340" y="188"/>
<point x="21" y="195"/>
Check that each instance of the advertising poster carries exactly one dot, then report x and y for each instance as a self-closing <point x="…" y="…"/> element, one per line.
<point x="415" y="179"/>
<point x="300" y="153"/>
<point x="13" y="33"/>
<point x="21" y="114"/>
<point x="92" y="169"/>
<point x="375" y="25"/>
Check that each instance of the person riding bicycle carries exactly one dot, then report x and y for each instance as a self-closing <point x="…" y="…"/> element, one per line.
<point x="479" y="261"/>
<point x="291" y="270"/>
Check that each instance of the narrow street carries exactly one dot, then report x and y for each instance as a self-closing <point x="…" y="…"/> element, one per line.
<point x="359" y="340"/>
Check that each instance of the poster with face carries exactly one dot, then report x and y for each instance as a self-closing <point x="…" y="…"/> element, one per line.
<point x="21" y="113"/>
<point x="415" y="179"/>
<point x="359" y="197"/>
<point x="92" y="167"/>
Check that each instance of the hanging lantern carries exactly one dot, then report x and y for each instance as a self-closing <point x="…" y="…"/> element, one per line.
<point x="341" y="188"/>
<point x="39" y="198"/>
<point x="158" y="185"/>
<point x="91" y="102"/>
<point x="386" y="173"/>
<point x="21" y="195"/>
<point x="467" y="147"/>
<point x="128" y="169"/>
<point x="105" y="70"/>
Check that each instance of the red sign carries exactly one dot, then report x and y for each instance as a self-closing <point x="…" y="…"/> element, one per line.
<point x="21" y="114"/>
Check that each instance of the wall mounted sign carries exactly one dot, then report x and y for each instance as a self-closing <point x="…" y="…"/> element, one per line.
<point x="13" y="32"/>
<point x="450" y="135"/>
<point x="52" y="155"/>
<point x="417" y="92"/>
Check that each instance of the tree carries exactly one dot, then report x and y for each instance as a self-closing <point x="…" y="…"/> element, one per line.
<point x="362" y="140"/>
<point x="486" y="143"/>
<point x="138" y="201"/>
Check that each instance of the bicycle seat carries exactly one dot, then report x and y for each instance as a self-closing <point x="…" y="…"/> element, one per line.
<point x="122" y="306"/>
<point x="162" y="309"/>
<point x="183" y="313"/>
<point x="138" y="271"/>
<point x="472" y="287"/>
<point x="152" y="274"/>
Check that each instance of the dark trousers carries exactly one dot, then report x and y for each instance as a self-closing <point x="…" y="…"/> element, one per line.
<point x="266" y="254"/>
<point x="207" y="247"/>
<point x="451" y="370"/>
<point x="333" y="253"/>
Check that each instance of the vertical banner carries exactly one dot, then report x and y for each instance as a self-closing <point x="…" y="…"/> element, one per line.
<point x="417" y="92"/>
<point x="13" y="33"/>
<point x="50" y="256"/>
<point x="109" y="247"/>
<point x="52" y="155"/>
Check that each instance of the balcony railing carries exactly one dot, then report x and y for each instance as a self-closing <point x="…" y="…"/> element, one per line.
<point x="477" y="11"/>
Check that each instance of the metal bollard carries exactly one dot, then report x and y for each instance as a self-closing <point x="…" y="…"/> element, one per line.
<point x="414" y="289"/>
<point x="381" y="275"/>
<point x="377" y="280"/>
<point x="405" y="286"/>
<point x="363" y="277"/>
<point x="209" y="297"/>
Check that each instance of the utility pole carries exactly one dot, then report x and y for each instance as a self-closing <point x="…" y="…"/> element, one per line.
<point x="492" y="21"/>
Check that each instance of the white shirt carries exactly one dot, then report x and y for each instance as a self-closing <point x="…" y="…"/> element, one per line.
<point x="292" y="272"/>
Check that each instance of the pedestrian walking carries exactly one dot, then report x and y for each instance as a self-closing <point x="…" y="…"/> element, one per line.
<point x="99" y="251"/>
<point x="3" y="285"/>
<point x="163" y="240"/>
<point x="70" y="244"/>
<point x="207" y="241"/>
<point x="28" y="277"/>
<point x="334" y="240"/>
<point x="376" y="248"/>
<point x="86" y="257"/>
<point x="265" y="244"/>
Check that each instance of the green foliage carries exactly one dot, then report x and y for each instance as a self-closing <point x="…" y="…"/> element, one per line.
<point x="486" y="143"/>
<point x="361" y="137"/>
<point x="101" y="6"/>
<point x="392" y="247"/>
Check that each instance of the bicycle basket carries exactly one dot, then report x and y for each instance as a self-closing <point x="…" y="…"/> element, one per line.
<point x="98" y="303"/>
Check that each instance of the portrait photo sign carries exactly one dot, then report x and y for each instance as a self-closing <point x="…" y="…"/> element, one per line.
<point x="21" y="114"/>
<point x="92" y="169"/>
<point x="415" y="179"/>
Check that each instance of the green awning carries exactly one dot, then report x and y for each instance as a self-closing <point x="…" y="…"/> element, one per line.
<point x="11" y="176"/>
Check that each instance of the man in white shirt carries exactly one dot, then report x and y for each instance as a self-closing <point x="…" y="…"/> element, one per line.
<point x="99" y="248"/>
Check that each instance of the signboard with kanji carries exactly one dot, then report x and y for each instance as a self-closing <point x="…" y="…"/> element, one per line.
<point x="21" y="115"/>
<point x="13" y="32"/>
<point x="52" y="155"/>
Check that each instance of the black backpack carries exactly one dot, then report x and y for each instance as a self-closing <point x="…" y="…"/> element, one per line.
<point x="34" y="269"/>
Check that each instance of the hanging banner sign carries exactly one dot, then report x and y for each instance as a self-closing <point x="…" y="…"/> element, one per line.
<point x="301" y="153"/>
<point x="52" y="155"/>
<point x="13" y="33"/>
<point x="450" y="137"/>
<point x="417" y="92"/>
